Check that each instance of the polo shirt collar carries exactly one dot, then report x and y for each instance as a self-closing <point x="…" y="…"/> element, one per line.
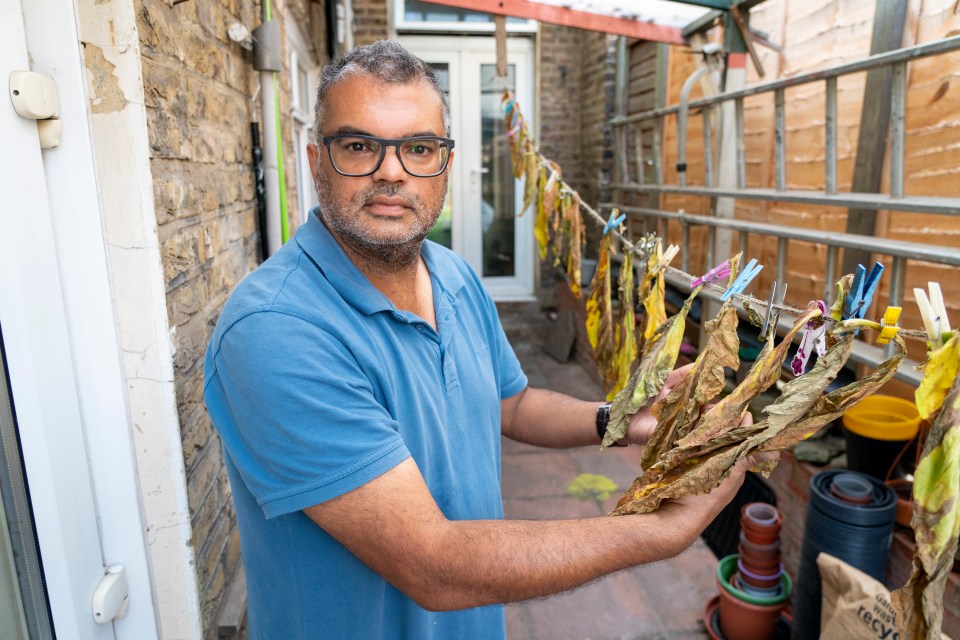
<point x="318" y="243"/>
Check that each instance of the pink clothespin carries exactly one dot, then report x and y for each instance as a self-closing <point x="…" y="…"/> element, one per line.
<point x="719" y="272"/>
<point x="814" y="338"/>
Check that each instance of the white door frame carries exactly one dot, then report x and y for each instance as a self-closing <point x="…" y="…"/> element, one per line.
<point x="464" y="54"/>
<point x="61" y="333"/>
<point x="37" y="340"/>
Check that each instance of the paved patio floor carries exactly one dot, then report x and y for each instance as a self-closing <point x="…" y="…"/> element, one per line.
<point x="659" y="601"/>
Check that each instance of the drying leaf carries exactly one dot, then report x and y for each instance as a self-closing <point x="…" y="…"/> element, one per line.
<point x="574" y="222"/>
<point x="694" y="477"/>
<point x="677" y="412"/>
<point x="939" y="372"/>
<point x="800" y="394"/>
<point x="540" y="226"/>
<point x="555" y="212"/>
<point x="600" y="314"/>
<point x="764" y="372"/>
<point x="936" y="525"/>
<point x="843" y="287"/>
<point x="754" y="317"/>
<point x="659" y="357"/>
<point x="652" y="292"/>
<point x="626" y="337"/>
<point x="531" y="183"/>
<point x="834" y="404"/>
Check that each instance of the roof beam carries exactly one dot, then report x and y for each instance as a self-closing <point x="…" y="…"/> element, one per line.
<point x="710" y="4"/>
<point x="553" y="14"/>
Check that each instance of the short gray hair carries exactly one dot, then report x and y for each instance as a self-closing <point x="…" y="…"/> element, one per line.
<point x="385" y="60"/>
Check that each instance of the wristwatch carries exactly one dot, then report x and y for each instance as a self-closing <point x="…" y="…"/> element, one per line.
<point x="603" y="418"/>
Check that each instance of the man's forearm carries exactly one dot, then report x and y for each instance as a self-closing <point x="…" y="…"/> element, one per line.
<point x="476" y="563"/>
<point x="549" y="419"/>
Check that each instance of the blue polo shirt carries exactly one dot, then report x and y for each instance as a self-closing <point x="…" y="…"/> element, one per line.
<point x="317" y="384"/>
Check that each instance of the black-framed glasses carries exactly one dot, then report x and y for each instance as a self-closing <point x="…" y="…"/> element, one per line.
<point x="355" y="155"/>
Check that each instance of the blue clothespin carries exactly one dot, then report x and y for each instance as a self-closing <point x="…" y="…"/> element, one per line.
<point x="614" y="221"/>
<point x="746" y="276"/>
<point x="861" y="292"/>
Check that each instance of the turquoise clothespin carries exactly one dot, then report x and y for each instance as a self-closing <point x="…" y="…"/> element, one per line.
<point x="613" y="222"/>
<point x="746" y="276"/>
<point x="861" y="292"/>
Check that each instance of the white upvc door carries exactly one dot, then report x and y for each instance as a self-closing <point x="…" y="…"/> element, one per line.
<point x="61" y="341"/>
<point x="485" y="197"/>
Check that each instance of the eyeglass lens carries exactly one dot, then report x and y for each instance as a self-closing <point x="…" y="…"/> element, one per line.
<point x="422" y="157"/>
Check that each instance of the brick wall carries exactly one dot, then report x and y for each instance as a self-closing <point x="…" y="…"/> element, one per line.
<point x="199" y="87"/>
<point x="576" y="102"/>
<point x="370" y="21"/>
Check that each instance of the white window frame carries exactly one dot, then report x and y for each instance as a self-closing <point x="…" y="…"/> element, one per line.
<point x="401" y="24"/>
<point x="302" y="121"/>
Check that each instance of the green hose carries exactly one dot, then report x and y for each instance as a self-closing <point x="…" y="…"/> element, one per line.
<point x="281" y="178"/>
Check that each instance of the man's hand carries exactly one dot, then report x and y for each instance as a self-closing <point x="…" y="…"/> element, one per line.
<point x="643" y="423"/>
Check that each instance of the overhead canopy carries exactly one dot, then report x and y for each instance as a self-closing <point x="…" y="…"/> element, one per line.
<point x="656" y="20"/>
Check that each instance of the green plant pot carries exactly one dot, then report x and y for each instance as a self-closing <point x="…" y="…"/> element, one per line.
<point x="728" y="566"/>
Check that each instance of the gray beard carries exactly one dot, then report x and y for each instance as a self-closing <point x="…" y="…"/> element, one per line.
<point x="386" y="253"/>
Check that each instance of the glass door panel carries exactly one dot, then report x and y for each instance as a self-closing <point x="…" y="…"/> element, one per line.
<point x="498" y="186"/>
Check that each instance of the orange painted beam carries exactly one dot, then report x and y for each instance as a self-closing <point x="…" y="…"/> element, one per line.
<point x="564" y="17"/>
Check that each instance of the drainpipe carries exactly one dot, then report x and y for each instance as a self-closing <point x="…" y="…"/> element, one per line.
<point x="682" y="121"/>
<point x="267" y="59"/>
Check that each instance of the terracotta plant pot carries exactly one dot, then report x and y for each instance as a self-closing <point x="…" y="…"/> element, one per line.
<point x="740" y="620"/>
<point x="758" y="536"/>
<point x="761" y="580"/>
<point x="761" y="566"/>
<point x="758" y="552"/>
<point x="761" y="522"/>
<point x="711" y="620"/>
<point x="904" y="490"/>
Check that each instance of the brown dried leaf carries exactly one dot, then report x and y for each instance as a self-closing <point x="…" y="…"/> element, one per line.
<point x="600" y="314"/>
<point x="727" y="413"/>
<point x="834" y="404"/>
<point x="677" y="412"/>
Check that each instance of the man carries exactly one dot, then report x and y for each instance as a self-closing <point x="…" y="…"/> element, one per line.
<point x="360" y="382"/>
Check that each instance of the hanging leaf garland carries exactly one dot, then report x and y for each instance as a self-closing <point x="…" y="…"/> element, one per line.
<point x="936" y="525"/>
<point x="626" y="329"/>
<point x="702" y="468"/>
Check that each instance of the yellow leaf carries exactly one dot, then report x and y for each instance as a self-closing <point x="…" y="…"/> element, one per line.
<point x="939" y="372"/>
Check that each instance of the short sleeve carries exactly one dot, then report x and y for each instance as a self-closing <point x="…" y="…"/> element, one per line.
<point x="512" y="378"/>
<point x="296" y="413"/>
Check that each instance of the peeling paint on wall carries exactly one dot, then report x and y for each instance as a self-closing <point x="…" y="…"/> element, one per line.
<point x="105" y="93"/>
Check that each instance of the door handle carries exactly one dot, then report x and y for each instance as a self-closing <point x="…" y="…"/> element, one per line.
<point x="34" y="97"/>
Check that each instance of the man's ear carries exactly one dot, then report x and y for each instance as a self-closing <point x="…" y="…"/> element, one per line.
<point x="313" y="155"/>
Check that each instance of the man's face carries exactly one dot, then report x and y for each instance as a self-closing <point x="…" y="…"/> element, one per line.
<point x="388" y="213"/>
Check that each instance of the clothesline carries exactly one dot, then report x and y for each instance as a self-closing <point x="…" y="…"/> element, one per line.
<point x="750" y="300"/>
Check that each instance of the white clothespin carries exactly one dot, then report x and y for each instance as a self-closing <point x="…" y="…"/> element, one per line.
<point x="934" y="313"/>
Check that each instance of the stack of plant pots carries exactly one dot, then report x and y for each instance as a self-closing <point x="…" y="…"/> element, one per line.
<point x="754" y="588"/>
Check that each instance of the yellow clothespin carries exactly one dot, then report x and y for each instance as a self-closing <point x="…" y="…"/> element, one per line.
<point x="888" y="326"/>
